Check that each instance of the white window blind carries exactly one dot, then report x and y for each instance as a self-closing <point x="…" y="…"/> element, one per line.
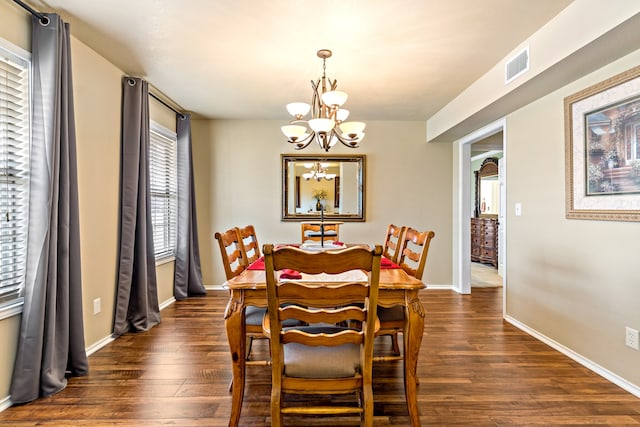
<point x="14" y="174"/>
<point x="163" y="164"/>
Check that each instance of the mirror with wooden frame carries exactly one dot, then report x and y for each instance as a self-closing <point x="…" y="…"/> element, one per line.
<point x="487" y="203"/>
<point x="311" y="182"/>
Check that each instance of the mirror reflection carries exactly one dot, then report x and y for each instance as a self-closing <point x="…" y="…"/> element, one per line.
<point x="331" y="185"/>
<point x="487" y="203"/>
<point x="489" y="190"/>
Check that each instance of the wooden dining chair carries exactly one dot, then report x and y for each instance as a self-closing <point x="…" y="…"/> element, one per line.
<point x="312" y="232"/>
<point x="412" y="258"/>
<point x="234" y="261"/>
<point x="231" y="252"/>
<point x="322" y="358"/>
<point x="392" y="242"/>
<point x="249" y="243"/>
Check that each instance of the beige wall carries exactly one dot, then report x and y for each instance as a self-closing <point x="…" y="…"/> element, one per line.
<point x="97" y="104"/>
<point x="238" y="182"/>
<point x="97" y="93"/>
<point x="574" y="281"/>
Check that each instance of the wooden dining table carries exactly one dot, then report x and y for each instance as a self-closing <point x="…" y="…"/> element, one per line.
<point x="396" y="287"/>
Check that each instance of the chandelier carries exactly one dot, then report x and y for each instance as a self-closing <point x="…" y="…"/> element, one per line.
<point x="327" y="123"/>
<point x="318" y="172"/>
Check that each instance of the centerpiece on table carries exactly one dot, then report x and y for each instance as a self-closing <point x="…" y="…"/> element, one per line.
<point x="319" y="195"/>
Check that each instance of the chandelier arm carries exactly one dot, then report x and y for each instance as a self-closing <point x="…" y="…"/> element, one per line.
<point x="303" y="143"/>
<point x="316" y="103"/>
<point x="349" y="142"/>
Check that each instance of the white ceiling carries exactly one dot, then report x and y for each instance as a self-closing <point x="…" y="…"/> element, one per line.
<point x="246" y="59"/>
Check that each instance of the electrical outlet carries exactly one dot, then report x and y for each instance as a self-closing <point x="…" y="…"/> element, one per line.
<point x="632" y="338"/>
<point x="96" y="306"/>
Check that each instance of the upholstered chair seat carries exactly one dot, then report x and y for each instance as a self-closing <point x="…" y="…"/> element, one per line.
<point x="303" y="361"/>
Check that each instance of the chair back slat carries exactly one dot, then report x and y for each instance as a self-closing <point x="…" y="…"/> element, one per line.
<point x="321" y="339"/>
<point x="329" y="262"/>
<point x="231" y="252"/>
<point x="393" y="242"/>
<point x="340" y="294"/>
<point x="249" y="243"/>
<point x="415" y="248"/>
<point x="322" y="315"/>
<point x="312" y="232"/>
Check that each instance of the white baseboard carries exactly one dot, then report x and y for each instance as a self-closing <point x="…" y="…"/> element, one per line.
<point x="605" y="373"/>
<point x="106" y="340"/>
<point x="167" y="303"/>
<point x="431" y="286"/>
<point x="99" y="344"/>
<point x="5" y="403"/>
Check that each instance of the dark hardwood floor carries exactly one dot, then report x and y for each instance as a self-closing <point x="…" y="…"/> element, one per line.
<point x="475" y="370"/>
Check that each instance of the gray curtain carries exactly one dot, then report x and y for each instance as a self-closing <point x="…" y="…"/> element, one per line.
<point x="188" y="275"/>
<point x="51" y="341"/>
<point x="137" y="306"/>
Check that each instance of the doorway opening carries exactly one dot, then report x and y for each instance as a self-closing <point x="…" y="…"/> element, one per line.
<point x="486" y="141"/>
<point x="486" y="156"/>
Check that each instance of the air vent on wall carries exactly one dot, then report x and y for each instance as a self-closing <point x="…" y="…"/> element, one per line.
<point x="517" y="65"/>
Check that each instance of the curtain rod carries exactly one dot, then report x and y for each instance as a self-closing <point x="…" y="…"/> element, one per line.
<point x="157" y="98"/>
<point x="29" y="9"/>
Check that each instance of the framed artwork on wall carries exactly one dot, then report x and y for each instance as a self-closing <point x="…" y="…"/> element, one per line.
<point x="602" y="150"/>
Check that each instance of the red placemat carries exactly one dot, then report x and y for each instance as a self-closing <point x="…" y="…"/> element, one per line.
<point x="257" y="264"/>
<point x="387" y="263"/>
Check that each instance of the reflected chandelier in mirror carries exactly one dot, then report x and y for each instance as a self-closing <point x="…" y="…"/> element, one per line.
<point x="333" y="185"/>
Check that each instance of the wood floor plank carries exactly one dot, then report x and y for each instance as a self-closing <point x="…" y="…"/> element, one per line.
<point x="474" y="370"/>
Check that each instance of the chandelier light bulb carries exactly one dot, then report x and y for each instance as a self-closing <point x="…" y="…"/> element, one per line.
<point x="298" y="109"/>
<point x="341" y="115"/>
<point x="334" y="98"/>
<point x="293" y="132"/>
<point x="322" y="125"/>
<point x="352" y="128"/>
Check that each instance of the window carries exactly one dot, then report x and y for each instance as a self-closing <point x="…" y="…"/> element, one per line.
<point x="14" y="172"/>
<point x="164" y="204"/>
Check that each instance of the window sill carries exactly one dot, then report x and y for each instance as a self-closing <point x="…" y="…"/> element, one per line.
<point x="12" y="309"/>
<point x="165" y="260"/>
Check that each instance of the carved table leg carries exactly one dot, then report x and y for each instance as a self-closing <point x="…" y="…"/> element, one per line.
<point x="236" y="333"/>
<point x="413" y="330"/>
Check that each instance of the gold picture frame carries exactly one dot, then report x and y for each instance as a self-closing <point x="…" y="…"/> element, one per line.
<point x="602" y="150"/>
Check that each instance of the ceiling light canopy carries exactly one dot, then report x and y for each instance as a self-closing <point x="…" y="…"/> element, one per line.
<point x="327" y="124"/>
